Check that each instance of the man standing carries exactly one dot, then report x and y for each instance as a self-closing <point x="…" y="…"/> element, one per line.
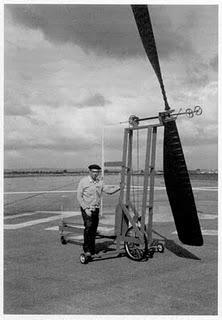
<point x="89" y="193"/>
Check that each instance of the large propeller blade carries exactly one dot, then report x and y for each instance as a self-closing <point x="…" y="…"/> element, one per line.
<point x="145" y="29"/>
<point x="176" y="175"/>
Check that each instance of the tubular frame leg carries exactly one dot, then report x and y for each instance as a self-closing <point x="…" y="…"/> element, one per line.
<point x="151" y="191"/>
<point x="146" y="178"/>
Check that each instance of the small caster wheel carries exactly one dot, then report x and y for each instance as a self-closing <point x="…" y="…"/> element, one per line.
<point x="160" y="247"/>
<point x="63" y="240"/>
<point x="83" y="258"/>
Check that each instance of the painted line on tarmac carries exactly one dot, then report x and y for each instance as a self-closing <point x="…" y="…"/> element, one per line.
<point x="74" y="191"/>
<point x="39" y="192"/>
<point x="205" y="232"/>
<point x="65" y="213"/>
<point x="39" y="221"/>
<point x="48" y="191"/>
<point x="20" y="215"/>
<point x="76" y="237"/>
<point x="100" y="229"/>
<point x="33" y="213"/>
<point x="59" y="215"/>
<point x="205" y="216"/>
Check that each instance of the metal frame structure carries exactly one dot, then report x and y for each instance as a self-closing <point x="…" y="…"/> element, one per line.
<point x="130" y="225"/>
<point x="139" y="243"/>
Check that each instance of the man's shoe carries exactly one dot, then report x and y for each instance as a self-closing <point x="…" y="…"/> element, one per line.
<point x="96" y="255"/>
<point x="88" y="254"/>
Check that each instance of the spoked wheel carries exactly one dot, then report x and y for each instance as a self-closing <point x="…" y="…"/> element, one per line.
<point x="135" y="251"/>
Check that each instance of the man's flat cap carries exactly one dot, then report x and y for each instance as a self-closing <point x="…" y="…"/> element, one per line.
<point x="94" y="167"/>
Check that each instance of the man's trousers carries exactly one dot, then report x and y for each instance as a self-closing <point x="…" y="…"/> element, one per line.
<point x="90" y="224"/>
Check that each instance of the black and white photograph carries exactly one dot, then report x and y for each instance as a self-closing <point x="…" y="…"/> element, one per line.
<point x="110" y="159"/>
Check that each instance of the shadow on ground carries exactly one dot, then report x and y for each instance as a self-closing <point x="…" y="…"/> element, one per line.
<point x="177" y="249"/>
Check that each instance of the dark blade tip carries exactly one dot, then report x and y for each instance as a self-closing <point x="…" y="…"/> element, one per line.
<point x="193" y="242"/>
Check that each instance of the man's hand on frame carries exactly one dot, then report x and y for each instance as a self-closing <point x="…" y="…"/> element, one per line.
<point x="88" y="212"/>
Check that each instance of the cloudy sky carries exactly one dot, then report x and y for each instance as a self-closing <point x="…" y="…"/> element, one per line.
<point x="75" y="71"/>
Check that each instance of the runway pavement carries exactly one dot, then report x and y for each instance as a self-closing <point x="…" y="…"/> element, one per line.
<point x="42" y="276"/>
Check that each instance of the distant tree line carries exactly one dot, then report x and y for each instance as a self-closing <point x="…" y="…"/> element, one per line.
<point x="31" y="172"/>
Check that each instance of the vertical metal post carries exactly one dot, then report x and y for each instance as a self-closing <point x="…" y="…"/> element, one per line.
<point x="125" y="142"/>
<point x="129" y="168"/>
<point x="151" y="191"/>
<point x="102" y="160"/>
<point x="146" y="178"/>
<point x="119" y="219"/>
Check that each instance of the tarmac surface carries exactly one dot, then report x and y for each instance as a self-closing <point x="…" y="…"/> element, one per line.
<point x="42" y="276"/>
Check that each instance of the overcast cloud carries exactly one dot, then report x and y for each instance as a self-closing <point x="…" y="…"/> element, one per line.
<point x="71" y="70"/>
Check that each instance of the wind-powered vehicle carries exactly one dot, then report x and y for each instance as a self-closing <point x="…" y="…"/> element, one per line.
<point x="131" y="227"/>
